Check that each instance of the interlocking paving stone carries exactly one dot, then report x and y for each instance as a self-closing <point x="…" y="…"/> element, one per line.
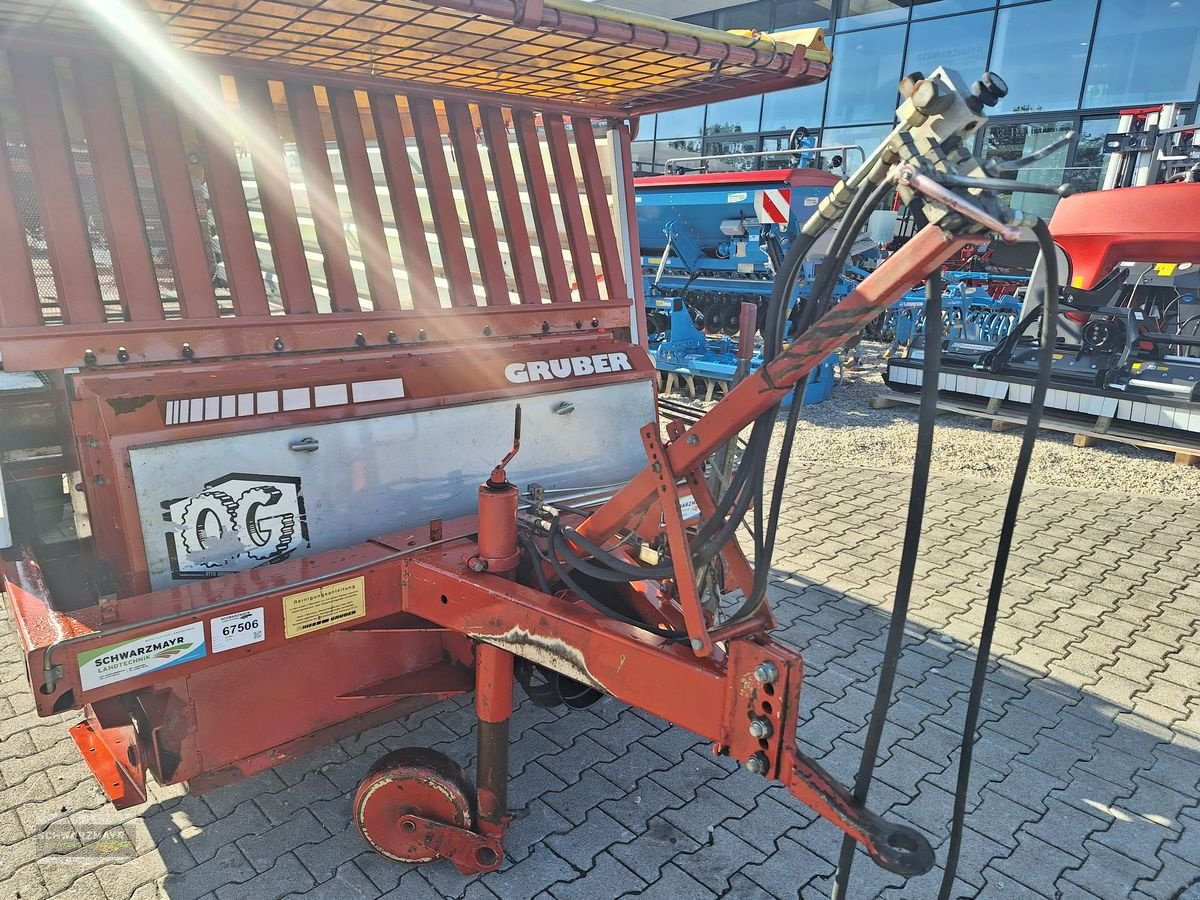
<point x="1088" y="761"/>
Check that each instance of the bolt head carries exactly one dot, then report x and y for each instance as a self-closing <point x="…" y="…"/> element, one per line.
<point x="477" y="564"/>
<point x="693" y="439"/>
<point x="766" y="672"/>
<point x="697" y="644"/>
<point x="760" y="728"/>
<point x="757" y="764"/>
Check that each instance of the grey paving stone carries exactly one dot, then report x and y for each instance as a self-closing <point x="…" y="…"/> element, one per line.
<point x="1106" y="872"/>
<point x="626" y="770"/>
<point x="228" y="867"/>
<point x="580" y="845"/>
<point x="581" y="755"/>
<point x="627" y="730"/>
<point x="699" y="816"/>
<point x="287" y="876"/>
<point x="247" y="819"/>
<point x="348" y="884"/>
<point x="530" y="825"/>
<point x="718" y="859"/>
<point x="637" y="806"/>
<point x="532" y="875"/>
<point x="607" y="878"/>
<point x="652" y="849"/>
<point x="281" y="806"/>
<point x="323" y="859"/>
<point x="572" y="803"/>
<point x="224" y="801"/>
<point x="263" y="849"/>
<point x="672" y="884"/>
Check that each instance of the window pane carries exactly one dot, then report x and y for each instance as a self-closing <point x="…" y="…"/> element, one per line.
<point x="959" y="43"/>
<point x="866" y="136"/>
<point x="923" y="9"/>
<point x="785" y="159"/>
<point x="793" y="107"/>
<point x="801" y="13"/>
<point x="642" y="154"/>
<point x="747" y="16"/>
<point x="680" y="122"/>
<point x="861" y="13"/>
<point x="1012" y="141"/>
<point x="1040" y="51"/>
<point x="667" y="151"/>
<point x="1090" y="158"/>
<point x="1145" y="53"/>
<point x="866" y="74"/>
<point x="738" y="163"/>
<point x="734" y="116"/>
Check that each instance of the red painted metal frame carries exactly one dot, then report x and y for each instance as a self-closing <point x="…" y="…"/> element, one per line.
<point x="116" y="188"/>
<point x="176" y="203"/>
<point x="436" y="173"/>
<point x="152" y="333"/>
<point x="232" y="217"/>
<point x="364" y="201"/>
<point x="479" y="207"/>
<point x="63" y="223"/>
<point x="520" y="251"/>
<point x="39" y="347"/>
<point x="278" y="204"/>
<point x="592" y="176"/>
<point x="567" y="183"/>
<point x="771" y="383"/>
<point x="127" y="409"/>
<point x="389" y="132"/>
<point x="538" y="186"/>
<point x="729" y="70"/>
<point x="710" y="688"/>
<point x="749" y="399"/>
<point x="21" y="307"/>
<point x="322" y="198"/>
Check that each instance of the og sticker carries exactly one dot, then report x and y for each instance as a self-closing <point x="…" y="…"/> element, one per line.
<point x="142" y="655"/>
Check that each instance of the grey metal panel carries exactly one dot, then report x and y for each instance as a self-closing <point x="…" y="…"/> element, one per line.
<point x="225" y="504"/>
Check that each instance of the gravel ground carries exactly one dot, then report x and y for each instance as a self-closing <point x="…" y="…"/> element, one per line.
<point x="845" y="428"/>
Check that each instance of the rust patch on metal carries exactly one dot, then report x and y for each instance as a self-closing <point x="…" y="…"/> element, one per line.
<point x="123" y="405"/>
<point x="551" y="652"/>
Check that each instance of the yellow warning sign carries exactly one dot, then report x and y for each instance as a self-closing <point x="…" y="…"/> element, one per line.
<point x="324" y="607"/>
<point x="1165" y="269"/>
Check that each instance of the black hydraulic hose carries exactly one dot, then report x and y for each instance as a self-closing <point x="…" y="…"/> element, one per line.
<point x="908" y="563"/>
<point x="535" y="557"/>
<point x="860" y="209"/>
<point x="1049" y="337"/>
<point x="747" y="483"/>
<point x="556" y="536"/>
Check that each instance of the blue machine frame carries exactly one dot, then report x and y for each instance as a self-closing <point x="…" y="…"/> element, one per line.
<point x="710" y="242"/>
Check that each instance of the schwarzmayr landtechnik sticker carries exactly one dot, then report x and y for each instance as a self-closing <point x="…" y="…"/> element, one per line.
<point x="139" y="656"/>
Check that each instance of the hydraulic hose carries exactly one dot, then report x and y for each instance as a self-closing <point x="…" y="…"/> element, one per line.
<point x="908" y="563"/>
<point x="1048" y="339"/>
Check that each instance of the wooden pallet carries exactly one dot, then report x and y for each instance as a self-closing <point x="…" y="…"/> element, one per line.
<point x="1085" y="431"/>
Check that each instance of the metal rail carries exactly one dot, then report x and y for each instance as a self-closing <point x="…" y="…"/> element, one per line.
<point x="789" y="152"/>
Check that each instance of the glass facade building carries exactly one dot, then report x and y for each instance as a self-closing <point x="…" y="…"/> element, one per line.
<point x="1071" y="65"/>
